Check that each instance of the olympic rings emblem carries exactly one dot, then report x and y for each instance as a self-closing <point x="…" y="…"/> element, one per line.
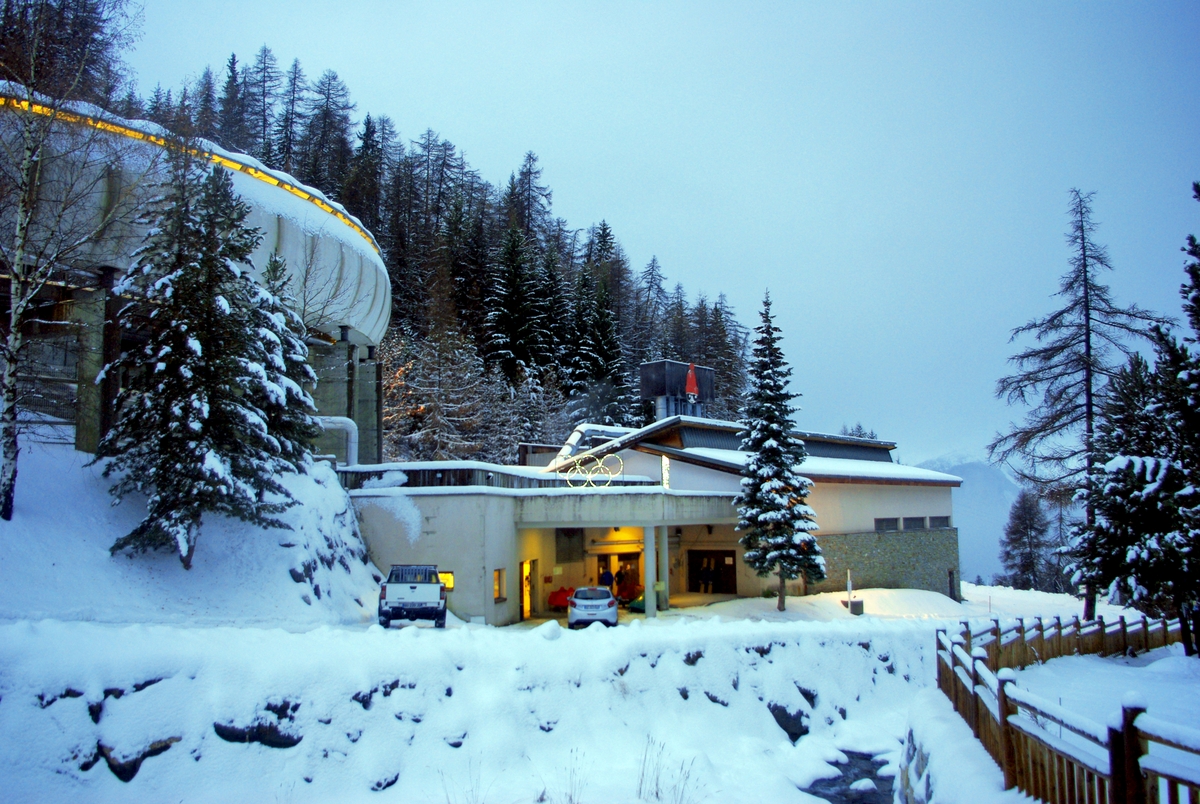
<point x="588" y="472"/>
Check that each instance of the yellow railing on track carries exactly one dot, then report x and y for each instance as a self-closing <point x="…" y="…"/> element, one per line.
<point x="99" y="124"/>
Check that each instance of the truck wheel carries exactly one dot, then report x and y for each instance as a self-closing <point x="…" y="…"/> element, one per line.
<point x="440" y="622"/>
<point x="385" y="622"/>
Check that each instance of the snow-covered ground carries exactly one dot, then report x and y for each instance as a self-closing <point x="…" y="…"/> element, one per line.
<point x="54" y="559"/>
<point x="226" y="683"/>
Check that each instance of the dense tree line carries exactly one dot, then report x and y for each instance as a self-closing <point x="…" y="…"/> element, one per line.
<point x="552" y="321"/>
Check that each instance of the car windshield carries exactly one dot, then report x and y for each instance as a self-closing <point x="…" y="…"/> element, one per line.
<point x="592" y="594"/>
<point x="414" y="573"/>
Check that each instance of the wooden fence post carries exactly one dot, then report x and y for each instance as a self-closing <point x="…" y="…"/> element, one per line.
<point x="1007" y="757"/>
<point x="1041" y="643"/>
<point x="1058" y="637"/>
<point x="1103" y="635"/>
<point x="966" y="626"/>
<point x="1116" y="766"/>
<point x="997" y="645"/>
<point x="1024" y="653"/>
<point x="1124" y="637"/>
<point x="1078" y="636"/>
<point x="975" y="657"/>
<point x="1145" y="633"/>
<point x="1135" y="787"/>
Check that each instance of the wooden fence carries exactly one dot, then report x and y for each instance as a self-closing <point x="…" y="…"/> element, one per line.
<point x="1080" y="762"/>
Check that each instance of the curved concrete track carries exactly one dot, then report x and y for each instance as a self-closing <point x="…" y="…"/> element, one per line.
<point x="339" y="278"/>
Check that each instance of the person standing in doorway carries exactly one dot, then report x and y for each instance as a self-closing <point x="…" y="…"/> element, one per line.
<point x="706" y="577"/>
<point x="606" y="578"/>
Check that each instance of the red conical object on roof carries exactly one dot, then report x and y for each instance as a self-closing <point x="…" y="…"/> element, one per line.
<point x="691" y="387"/>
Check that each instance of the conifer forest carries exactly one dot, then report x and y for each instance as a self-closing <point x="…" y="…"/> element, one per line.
<point x="505" y="318"/>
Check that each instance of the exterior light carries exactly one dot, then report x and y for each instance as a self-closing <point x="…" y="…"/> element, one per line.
<point x="345" y="330"/>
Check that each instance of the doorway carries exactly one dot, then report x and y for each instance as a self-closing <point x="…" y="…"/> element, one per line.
<point x="712" y="572"/>
<point x="529" y="581"/>
<point x="627" y="575"/>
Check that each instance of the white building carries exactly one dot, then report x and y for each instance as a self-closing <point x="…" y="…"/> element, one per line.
<point x="659" y="499"/>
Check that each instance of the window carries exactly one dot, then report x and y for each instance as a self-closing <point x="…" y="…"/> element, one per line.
<point x="568" y="545"/>
<point x="413" y="573"/>
<point x="936" y="522"/>
<point x="499" y="586"/>
<point x="914" y="523"/>
<point x="885" y="524"/>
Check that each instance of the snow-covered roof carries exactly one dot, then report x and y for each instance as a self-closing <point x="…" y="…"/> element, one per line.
<point x="874" y="465"/>
<point x="835" y="469"/>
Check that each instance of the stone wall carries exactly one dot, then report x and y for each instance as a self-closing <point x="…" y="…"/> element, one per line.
<point x="905" y="559"/>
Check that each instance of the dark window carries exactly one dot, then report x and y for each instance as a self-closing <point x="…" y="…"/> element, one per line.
<point x="914" y="523"/>
<point x="936" y="522"/>
<point x="568" y="545"/>
<point x="886" y="524"/>
<point x="413" y="573"/>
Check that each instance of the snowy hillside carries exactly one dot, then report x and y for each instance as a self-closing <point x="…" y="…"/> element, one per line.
<point x="54" y="560"/>
<point x="980" y="511"/>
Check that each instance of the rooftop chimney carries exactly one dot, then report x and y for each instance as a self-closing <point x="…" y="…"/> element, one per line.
<point x="677" y="389"/>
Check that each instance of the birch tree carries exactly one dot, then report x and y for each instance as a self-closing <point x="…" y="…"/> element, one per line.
<point x="64" y="184"/>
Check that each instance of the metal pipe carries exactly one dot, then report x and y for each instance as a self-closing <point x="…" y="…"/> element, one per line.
<point x="347" y="426"/>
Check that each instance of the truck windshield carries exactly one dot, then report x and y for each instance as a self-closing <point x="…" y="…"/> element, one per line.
<point x="414" y="573"/>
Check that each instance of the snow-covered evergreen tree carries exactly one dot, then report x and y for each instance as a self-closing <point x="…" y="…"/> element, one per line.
<point x="775" y="520"/>
<point x="1147" y="530"/>
<point x="232" y="128"/>
<point x="283" y="394"/>
<point x="188" y="433"/>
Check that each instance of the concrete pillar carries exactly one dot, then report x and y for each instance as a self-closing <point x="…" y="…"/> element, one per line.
<point x="365" y="415"/>
<point x="329" y="362"/>
<point x="95" y="315"/>
<point x="87" y="312"/>
<point x="664" y="568"/>
<point x="649" y="571"/>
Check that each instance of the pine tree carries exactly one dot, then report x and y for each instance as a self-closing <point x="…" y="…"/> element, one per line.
<point x="1062" y="373"/>
<point x="289" y="124"/>
<point x="284" y="399"/>
<point x="232" y="131"/>
<point x="262" y="84"/>
<point x="437" y="398"/>
<point x="773" y="516"/>
<point x="326" y="149"/>
<point x="206" y="116"/>
<point x="510" y="321"/>
<point x="188" y="434"/>
<point x="362" y="193"/>
<point x="1023" y="548"/>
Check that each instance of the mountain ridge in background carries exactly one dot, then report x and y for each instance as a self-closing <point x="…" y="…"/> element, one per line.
<point x="980" y="510"/>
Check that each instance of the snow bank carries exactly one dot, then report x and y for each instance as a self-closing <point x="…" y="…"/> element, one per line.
<point x="425" y="714"/>
<point x="54" y="560"/>
<point x="943" y="762"/>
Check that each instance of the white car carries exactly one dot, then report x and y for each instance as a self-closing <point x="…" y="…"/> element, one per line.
<point x="591" y="604"/>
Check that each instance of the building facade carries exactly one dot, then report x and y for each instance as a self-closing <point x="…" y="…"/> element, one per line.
<point x="658" y="501"/>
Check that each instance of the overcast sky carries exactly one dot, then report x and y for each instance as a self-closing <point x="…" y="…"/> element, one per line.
<point x="896" y="174"/>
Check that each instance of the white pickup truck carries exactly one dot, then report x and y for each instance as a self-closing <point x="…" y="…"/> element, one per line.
<point x="412" y="592"/>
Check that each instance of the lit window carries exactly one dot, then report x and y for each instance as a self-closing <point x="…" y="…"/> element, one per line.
<point x="936" y="522"/>
<point x="914" y="523"/>
<point x="886" y="524"/>
<point x="499" y="587"/>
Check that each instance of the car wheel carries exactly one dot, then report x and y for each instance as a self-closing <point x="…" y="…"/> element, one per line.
<point x="440" y="622"/>
<point x="385" y="622"/>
